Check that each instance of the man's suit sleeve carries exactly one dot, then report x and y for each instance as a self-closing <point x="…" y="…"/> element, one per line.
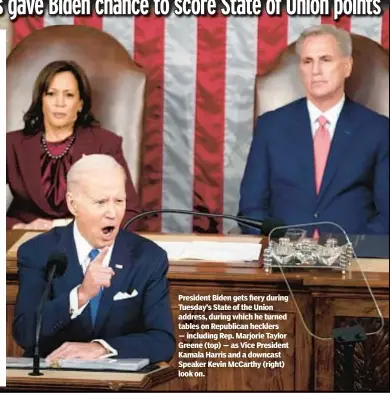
<point x="254" y="192"/>
<point x="157" y="342"/>
<point x="380" y="224"/>
<point x="32" y="282"/>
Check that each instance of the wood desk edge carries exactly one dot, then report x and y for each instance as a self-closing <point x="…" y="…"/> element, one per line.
<point x="244" y="272"/>
<point x="163" y="374"/>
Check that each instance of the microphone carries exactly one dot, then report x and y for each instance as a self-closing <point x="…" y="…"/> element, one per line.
<point x="56" y="266"/>
<point x="267" y="225"/>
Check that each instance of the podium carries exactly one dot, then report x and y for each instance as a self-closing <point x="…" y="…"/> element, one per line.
<point x="67" y="380"/>
<point x="326" y="300"/>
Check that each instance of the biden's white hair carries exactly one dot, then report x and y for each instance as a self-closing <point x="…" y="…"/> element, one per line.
<point x="91" y="165"/>
<point x="342" y="37"/>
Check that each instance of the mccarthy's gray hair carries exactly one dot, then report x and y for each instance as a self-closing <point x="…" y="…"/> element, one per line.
<point x="342" y="37"/>
<point x="91" y="163"/>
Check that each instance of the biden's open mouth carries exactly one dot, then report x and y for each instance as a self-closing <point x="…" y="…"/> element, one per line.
<point x="108" y="230"/>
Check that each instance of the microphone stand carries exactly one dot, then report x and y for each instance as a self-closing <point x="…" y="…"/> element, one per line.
<point x="348" y="337"/>
<point x="36" y="357"/>
<point x="244" y="221"/>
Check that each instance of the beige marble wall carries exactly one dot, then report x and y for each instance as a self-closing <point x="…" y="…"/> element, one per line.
<point x="7" y="25"/>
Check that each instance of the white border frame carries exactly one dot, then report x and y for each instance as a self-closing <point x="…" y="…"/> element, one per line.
<point x="3" y="45"/>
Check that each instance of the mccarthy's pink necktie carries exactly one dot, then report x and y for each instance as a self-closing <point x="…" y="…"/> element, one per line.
<point x="321" y="150"/>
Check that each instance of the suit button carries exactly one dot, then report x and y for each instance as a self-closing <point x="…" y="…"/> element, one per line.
<point x="315" y="215"/>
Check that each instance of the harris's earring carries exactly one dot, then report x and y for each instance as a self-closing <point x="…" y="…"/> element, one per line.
<point x="77" y="115"/>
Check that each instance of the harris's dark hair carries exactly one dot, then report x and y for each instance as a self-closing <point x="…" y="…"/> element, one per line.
<point x="33" y="118"/>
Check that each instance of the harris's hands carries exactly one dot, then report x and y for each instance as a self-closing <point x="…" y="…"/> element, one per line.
<point x="39" y="224"/>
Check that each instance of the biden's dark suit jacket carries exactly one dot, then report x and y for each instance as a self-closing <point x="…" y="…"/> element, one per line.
<point x="137" y="327"/>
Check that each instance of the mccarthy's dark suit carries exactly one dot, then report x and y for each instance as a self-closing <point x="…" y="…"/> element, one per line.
<point x="24" y="173"/>
<point x="137" y="327"/>
<point x="279" y="177"/>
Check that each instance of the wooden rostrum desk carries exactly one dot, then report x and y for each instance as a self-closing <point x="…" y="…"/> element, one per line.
<point x="325" y="299"/>
<point x="69" y="380"/>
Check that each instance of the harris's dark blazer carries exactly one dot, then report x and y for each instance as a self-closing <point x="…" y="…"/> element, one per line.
<point x="279" y="178"/>
<point x="24" y="173"/>
<point x="137" y="327"/>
